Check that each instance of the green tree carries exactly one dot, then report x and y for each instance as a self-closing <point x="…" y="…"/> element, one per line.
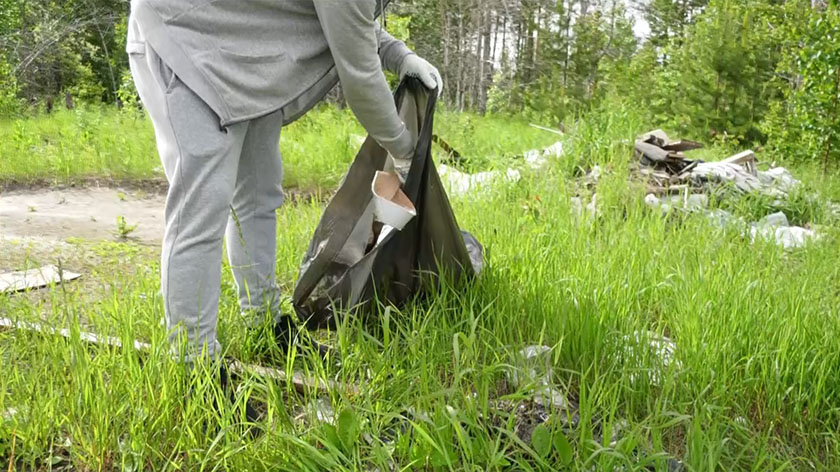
<point x="720" y="80"/>
<point x="9" y="102"/>
<point x="58" y="48"/>
<point x="576" y="49"/>
<point x="806" y="124"/>
<point x="669" y="19"/>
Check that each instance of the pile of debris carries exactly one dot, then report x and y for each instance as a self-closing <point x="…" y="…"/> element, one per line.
<point x="662" y="161"/>
<point x="676" y="182"/>
<point x="669" y="171"/>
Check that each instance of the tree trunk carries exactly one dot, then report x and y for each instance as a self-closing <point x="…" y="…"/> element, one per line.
<point x="459" y="86"/>
<point x="113" y="91"/>
<point x="485" y="71"/>
<point x="568" y="45"/>
<point x="495" y="37"/>
<point x="444" y="26"/>
<point x="833" y="117"/>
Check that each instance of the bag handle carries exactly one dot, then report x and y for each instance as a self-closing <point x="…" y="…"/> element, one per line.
<point x="422" y="150"/>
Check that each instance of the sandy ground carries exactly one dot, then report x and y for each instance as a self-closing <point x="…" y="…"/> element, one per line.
<point x="89" y="213"/>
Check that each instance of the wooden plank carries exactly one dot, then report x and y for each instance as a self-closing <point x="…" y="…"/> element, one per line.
<point x="742" y="158"/>
<point x="34" y="278"/>
<point x="656" y="137"/>
<point x="686" y="172"/>
<point x="651" y="151"/>
<point x="682" y="145"/>
<point x="89" y="338"/>
<point x="302" y="383"/>
<point x="746" y="159"/>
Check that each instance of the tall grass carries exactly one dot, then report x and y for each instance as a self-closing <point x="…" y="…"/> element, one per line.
<point x="753" y="385"/>
<point x="69" y="145"/>
<point x="89" y="142"/>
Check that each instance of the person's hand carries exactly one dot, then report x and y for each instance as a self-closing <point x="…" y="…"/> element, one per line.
<point x="415" y="66"/>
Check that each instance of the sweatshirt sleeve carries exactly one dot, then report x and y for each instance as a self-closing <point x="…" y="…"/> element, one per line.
<point x="351" y="33"/>
<point x="392" y="51"/>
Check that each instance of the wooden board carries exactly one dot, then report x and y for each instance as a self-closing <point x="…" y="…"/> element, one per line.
<point x="656" y="137"/>
<point x="34" y="278"/>
<point x="301" y="382"/>
<point x="651" y="151"/>
<point x="90" y="338"/>
<point x="682" y="145"/>
<point x="746" y="159"/>
<point x="743" y="157"/>
<point x="453" y="154"/>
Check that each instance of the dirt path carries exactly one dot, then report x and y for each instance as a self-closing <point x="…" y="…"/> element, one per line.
<point x="89" y="213"/>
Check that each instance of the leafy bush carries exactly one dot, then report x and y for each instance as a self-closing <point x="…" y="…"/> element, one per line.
<point x="805" y="125"/>
<point x="9" y="102"/>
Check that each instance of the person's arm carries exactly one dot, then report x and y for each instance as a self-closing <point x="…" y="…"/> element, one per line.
<point x="351" y="33"/>
<point x="397" y="58"/>
<point x="392" y="51"/>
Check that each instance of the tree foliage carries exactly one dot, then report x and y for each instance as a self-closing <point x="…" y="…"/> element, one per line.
<point x="669" y="19"/>
<point x="726" y="67"/>
<point x="63" y="50"/>
<point x="806" y="123"/>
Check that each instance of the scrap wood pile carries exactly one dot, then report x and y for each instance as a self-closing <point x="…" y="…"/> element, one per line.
<point x="662" y="162"/>
<point x="676" y="182"/>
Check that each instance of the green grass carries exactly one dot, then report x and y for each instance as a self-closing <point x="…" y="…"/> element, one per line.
<point x="100" y="143"/>
<point x="755" y="384"/>
<point x="71" y="145"/>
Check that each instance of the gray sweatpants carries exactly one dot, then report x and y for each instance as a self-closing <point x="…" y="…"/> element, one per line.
<point x="210" y="171"/>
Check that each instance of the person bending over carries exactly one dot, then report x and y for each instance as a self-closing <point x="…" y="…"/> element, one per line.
<point x="219" y="79"/>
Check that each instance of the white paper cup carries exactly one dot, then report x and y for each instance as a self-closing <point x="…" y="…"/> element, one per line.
<point x="390" y="205"/>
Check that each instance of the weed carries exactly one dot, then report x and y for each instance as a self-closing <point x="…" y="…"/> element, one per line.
<point x="123" y="228"/>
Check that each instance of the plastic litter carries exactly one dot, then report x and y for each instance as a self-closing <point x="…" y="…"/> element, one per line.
<point x="775" y="227"/>
<point x="460" y="183"/>
<point x="533" y="370"/>
<point x="537" y="158"/>
<point x="391" y="206"/>
<point x="636" y="350"/>
<point x="690" y="202"/>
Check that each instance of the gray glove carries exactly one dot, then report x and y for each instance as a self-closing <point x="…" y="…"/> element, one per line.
<point x="415" y="66"/>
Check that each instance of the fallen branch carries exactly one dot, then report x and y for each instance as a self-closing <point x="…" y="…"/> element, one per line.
<point x="550" y="130"/>
<point x="453" y="154"/>
<point x="302" y="383"/>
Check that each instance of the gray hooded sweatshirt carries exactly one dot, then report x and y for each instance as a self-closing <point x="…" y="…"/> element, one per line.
<point x="249" y="58"/>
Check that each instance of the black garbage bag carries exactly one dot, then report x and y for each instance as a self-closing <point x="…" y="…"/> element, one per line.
<point x="355" y="257"/>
